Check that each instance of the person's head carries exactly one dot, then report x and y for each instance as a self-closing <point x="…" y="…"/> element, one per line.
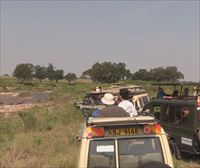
<point x="186" y="91"/>
<point x="184" y="113"/>
<point x="98" y="89"/>
<point x="176" y="92"/>
<point x="160" y="89"/>
<point x="124" y="93"/>
<point x="108" y="99"/>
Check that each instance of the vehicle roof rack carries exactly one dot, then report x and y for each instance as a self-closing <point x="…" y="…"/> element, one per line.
<point x="113" y="121"/>
<point x="176" y="83"/>
<point x="181" y="84"/>
<point x="115" y="90"/>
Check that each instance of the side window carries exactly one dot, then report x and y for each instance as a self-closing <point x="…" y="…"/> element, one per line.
<point x="156" y="111"/>
<point x="141" y="103"/>
<point x="178" y="116"/>
<point x="145" y="100"/>
<point x="147" y="108"/>
<point x="169" y="114"/>
<point x="185" y="115"/>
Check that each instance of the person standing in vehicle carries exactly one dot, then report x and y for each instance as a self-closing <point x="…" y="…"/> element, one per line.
<point x="161" y="93"/>
<point x="125" y="103"/>
<point x="186" y="92"/>
<point x="98" y="89"/>
<point x="175" y="93"/>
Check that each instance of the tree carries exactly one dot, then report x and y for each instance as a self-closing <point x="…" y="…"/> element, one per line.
<point x="169" y="73"/>
<point x="23" y="71"/>
<point x="50" y="72"/>
<point x="40" y="72"/>
<point x="108" y="72"/>
<point x="141" y="74"/>
<point x="53" y="74"/>
<point x="173" y="74"/>
<point x="159" y="74"/>
<point x="70" y="77"/>
<point x="58" y="75"/>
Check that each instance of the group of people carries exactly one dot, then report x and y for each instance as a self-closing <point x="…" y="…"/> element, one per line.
<point x="122" y="107"/>
<point x="161" y="94"/>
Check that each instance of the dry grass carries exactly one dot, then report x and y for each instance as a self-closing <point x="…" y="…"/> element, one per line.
<point x="46" y="136"/>
<point x="187" y="163"/>
<point x="42" y="136"/>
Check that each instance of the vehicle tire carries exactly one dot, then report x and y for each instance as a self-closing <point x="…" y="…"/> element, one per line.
<point x="198" y="135"/>
<point x="174" y="149"/>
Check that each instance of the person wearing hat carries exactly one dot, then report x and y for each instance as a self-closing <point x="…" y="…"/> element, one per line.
<point x="111" y="110"/>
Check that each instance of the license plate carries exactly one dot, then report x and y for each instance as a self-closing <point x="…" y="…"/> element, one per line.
<point x="123" y="131"/>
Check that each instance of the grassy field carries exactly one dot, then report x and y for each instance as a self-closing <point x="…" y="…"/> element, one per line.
<point x="45" y="136"/>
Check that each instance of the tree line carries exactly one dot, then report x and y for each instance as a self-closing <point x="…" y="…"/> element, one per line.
<point x="26" y="71"/>
<point x="105" y="72"/>
<point x="111" y="72"/>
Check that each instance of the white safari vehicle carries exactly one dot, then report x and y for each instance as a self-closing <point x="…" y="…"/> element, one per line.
<point x="123" y="142"/>
<point x="92" y="100"/>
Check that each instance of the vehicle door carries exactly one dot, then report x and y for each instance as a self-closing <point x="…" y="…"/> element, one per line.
<point x="177" y="122"/>
<point x="154" y="109"/>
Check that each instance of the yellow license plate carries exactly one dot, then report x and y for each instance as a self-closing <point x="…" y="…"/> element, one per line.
<point x="123" y="131"/>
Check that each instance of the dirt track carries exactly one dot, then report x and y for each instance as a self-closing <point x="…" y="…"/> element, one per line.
<point x="11" y="102"/>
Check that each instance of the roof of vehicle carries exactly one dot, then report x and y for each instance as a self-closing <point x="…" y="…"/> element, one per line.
<point x="120" y="121"/>
<point x="176" y="83"/>
<point x="115" y="90"/>
<point x="181" y="101"/>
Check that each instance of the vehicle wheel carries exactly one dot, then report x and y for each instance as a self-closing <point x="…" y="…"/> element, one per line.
<point x="174" y="149"/>
<point x="198" y="135"/>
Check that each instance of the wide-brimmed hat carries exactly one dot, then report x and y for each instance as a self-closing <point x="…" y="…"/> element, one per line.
<point x="108" y="99"/>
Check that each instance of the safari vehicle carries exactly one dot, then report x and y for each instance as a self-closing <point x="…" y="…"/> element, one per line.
<point x="180" y="117"/>
<point x="123" y="142"/>
<point x="92" y="99"/>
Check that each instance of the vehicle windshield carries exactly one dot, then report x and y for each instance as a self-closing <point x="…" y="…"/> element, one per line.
<point x="132" y="152"/>
<point x="92" y="99"/>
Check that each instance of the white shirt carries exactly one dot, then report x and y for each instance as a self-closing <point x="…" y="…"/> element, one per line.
<point x="128" y="107"/>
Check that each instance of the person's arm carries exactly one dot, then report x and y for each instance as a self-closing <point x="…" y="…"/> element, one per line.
<point x="96" y="113"/>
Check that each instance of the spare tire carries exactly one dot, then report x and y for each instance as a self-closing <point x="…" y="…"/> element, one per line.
<point x="198" y="135"/>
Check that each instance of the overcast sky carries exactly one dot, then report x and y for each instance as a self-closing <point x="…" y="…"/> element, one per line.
<point x="75" y="35"/>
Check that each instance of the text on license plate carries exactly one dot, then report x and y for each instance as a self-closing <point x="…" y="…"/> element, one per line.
<point x="123" y="131"/>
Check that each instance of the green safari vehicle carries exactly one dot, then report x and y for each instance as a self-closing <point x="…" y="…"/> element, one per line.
<point x="180" y="118"/>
